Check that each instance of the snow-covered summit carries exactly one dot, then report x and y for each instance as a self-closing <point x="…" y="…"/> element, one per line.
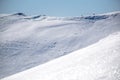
<point x="29" y="41"/>
<point x="19" y="14"/>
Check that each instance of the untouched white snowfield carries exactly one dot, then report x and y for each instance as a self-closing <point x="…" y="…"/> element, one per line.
<point x="100" y="61"/>
<point x="29" y="41"/>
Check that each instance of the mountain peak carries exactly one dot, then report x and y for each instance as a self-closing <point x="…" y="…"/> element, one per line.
<point x="19" y="14"/>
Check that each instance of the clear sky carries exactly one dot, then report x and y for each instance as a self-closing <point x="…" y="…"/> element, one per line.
<point x="59" y="7"/>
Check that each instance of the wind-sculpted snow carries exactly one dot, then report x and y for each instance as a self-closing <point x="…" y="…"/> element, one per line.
<point x="99" y="61"/>
<point x="27" y="41"/>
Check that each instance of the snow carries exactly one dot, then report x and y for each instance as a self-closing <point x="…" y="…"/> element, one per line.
<point x="26" y="42"/>
<point x="99" y="61"/>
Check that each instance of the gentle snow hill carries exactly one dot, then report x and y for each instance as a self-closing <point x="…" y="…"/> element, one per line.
<point x="100" y="61"/>
<point x="28" y="41"/>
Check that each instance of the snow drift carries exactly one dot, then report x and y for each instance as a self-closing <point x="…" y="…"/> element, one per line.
<point x="99" y="61"/>
<point x="27" y="41"/>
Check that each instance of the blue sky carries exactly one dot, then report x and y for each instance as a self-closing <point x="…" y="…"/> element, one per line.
<point x="59" y="7"/>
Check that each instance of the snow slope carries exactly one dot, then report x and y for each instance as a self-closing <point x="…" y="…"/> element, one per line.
<point x="100" y="61"/>
<point x="28" y="41"/>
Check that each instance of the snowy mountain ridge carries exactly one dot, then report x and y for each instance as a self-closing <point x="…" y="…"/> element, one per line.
<point x="29" y="41"/>
<point x="92" y="17"/>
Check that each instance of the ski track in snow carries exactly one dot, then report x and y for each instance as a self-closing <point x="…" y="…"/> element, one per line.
<point x="26" y="42"/>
